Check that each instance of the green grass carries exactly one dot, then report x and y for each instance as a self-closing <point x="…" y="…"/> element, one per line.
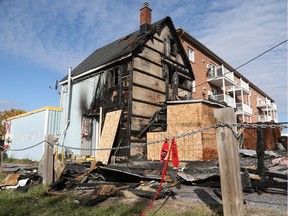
<point x="18" y="161"/>
<point x="34" y="204"/>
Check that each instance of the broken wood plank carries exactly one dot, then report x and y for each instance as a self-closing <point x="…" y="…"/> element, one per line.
<point x="59" y="166"/>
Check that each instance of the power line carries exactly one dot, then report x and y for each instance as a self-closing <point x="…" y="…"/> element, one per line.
<point x="262" y="54"/>
<point x="280" y="87"/>
<point x="246" y="62"/>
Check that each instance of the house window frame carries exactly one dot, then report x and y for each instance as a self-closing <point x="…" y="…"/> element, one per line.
<point x="113" y="77"/>
<point x="194" y="86"/>
<point x="191" y="54"/>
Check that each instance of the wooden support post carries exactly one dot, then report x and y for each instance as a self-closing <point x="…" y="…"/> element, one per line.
<point x="229" y="164"/>
<point x="48" y="161"/>
<point x="260" y="150"/>
<point x="1" y="159"/>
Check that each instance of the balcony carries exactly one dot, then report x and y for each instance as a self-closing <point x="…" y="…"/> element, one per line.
<point x="242" y="108"/>
<point x="264" y="118"/>
<point x="240" y="86"/>
<point x="224" y="98"/>
<point x="220" y="76"/>
<point x="264" y="103"/>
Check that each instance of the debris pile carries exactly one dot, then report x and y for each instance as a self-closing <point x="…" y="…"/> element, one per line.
<point x="20" y="178"/>
<point x="92" y="184"/>
<point x="143" y="178"/>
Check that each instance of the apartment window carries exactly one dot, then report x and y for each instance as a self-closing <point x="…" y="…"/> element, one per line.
<point x="211" y="70"/>
<point x="191" y="55"/>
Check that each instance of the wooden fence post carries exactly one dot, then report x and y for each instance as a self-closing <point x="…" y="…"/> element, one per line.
<point x="229" y="164"/>
<point x="1" y="160"/>
<point x="48" y="167"/>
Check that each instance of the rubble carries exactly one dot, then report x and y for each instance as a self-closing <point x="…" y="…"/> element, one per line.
<point x="142" y="179"/>
<point x="20" y="178"/>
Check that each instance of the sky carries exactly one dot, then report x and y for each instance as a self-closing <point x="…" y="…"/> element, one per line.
<point x="41" y="39"/>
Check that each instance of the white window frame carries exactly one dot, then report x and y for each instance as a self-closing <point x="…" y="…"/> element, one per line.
<point x="194" y="86"/>
<point x="191" y="54"/>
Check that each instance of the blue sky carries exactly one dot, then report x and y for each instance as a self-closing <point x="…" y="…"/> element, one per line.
<point x="40" y="39"/>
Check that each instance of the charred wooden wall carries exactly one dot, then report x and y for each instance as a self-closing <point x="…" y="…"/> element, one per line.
<point x="152" y="84"/>
<point x="271" y="137"/>
<point x="116" y="96"/>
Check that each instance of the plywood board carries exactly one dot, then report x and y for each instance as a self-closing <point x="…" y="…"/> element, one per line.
<point x="108" y="135"/>
<point x="153" y="150"/>
<point x="183" y="118"/>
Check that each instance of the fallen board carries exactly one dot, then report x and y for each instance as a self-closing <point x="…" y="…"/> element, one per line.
<point x="108" y="135"/>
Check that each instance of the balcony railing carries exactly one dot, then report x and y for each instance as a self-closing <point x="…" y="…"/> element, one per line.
<point x="216" y="75"/>
<point x="243" y="108"/>
<point x="225" y="98"/>
<point x="264" y="118"/>
<point x="240" y="85"/>
<point x="264" y="103"/>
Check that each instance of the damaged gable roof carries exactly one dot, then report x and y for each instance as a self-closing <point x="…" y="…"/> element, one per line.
<point x="125" y="46"/>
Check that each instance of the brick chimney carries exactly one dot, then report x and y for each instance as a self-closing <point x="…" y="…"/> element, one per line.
<point x="145" y="18"/>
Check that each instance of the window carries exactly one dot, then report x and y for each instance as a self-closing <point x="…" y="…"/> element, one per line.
<point x="173" y="47"/>
<point x="86" y="127"/>
<point x="191" y="55"/>
<point x="211" y="70"/>
<point x="112" y="78"/>
<point x="193" y="86"/>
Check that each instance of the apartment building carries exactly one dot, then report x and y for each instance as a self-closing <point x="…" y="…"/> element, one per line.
<point x="216" y="80"/>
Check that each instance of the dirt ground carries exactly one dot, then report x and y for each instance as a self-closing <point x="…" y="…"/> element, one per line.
<point x="268" y="203"/>
<point x="271" y="203"/>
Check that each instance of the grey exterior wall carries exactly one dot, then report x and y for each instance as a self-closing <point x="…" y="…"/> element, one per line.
<point x="82" y="94"/>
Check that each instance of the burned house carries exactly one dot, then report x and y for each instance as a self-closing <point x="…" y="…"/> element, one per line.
<point x="120" y="91"/>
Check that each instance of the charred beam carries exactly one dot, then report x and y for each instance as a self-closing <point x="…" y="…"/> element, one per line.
<point x="149" y="88"/>
<point x="140" y="116"/>
<point x="146" y="102"/>
<point x="149" y="74"/>
<point x="149" y="60"/>
<point x="260" y="152"/>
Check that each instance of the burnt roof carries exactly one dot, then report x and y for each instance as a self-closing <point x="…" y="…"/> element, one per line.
<point x="126" y="45"/>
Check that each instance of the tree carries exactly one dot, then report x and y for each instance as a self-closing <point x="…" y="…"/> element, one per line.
<point x="7" y="114"/>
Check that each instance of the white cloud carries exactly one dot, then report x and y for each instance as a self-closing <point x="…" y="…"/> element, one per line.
<point x="238" y="31"/>
<point x="61" y="34"/>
